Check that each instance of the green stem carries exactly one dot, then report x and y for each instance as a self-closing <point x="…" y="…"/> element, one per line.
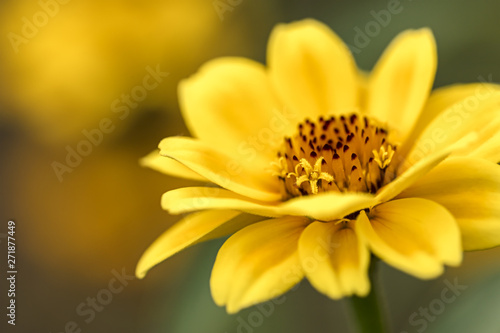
<point x="366" y="310"/>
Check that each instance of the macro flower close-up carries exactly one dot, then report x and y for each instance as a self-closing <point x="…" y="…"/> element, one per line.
<point x="229" y="166"/>
<point x="317" y="169"/>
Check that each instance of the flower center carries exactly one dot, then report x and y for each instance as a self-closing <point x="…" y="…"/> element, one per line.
<point x="346" y="153"/>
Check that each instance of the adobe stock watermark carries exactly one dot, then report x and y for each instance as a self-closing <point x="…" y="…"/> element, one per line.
<point x="267" y="137"/>
<point x="381" y="19"/>
<point x="222" y="6"/>
<point x="31" y="26"/>
<point x="420" y="319"/>
<point x="454" y="117"/>
<point x="89" y="308"/>
<point x="256" y="318"/>
<point x="121" y="106"/>
<point x="247" y="151"/>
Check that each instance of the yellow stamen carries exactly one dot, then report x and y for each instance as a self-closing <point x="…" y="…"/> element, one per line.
<point x="279" y="168"/>
<point x="312" y="174"/>
<point x="382" y="157"/>
<point x="346" y="153"/>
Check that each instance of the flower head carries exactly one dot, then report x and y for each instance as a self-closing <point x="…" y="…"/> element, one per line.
<point x="317" y="165"/>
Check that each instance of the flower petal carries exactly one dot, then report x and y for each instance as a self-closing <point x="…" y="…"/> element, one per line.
<point x="169" y="166"/>
<point x="334" y="260"/>
<point x="258" y="263"/>
<point x="478" y="113"/>
<point x="191" y="230"/>
<point x="440" y="100"/>
<point x="229" y="105"/>
<point x="489" y="149"/>
<point x="414" y="171"/>
<point x="311" y="69"/>
<point x="402" y="80"/>
<point x="470" y="190"/>
<point x="221" y="169"/>
<point x="414" y="235"/>
<point x="190" y="199"/>
<point x="325" y="206"/>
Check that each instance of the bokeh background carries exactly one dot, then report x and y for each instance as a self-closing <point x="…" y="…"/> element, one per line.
<point x="61" y="77"/>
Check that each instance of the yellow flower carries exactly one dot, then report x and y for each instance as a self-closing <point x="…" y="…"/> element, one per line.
<point x="317" y="165"/>
<point x="80" y="66"/>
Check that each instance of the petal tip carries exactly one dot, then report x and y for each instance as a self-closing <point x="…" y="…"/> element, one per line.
<point x="140" y="275"/>
<point x="141" y="270"/>
<point x="148" y="160"/>
<point x="218" y="297"/>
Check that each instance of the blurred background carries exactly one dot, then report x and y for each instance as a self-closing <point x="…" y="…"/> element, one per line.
<point x="66" y="69"/>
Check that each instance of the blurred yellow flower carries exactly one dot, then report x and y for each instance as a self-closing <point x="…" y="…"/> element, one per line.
<point x="334" y="163"/>
<point x="66" y="64"/>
